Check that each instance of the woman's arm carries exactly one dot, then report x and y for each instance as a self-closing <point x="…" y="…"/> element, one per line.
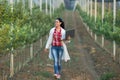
<point x="49" y="41"/>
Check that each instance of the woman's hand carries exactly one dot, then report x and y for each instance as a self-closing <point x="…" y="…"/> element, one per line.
<point x="45" y="50"/>
<point x="68" y="38"/>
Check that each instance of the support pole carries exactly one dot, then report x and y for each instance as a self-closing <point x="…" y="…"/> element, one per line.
<point x="114" y="20"/>
<point x="102" y="22"/>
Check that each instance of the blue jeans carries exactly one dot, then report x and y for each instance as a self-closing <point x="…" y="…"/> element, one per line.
<point x="57" y="52"/>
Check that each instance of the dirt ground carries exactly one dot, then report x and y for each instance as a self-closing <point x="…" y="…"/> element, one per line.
<point x="88" y="60"/>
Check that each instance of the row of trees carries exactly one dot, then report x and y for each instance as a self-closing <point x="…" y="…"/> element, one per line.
<point x="103" y="25"/>
<point x="102" y="21"/>
<point x="19" y="27"/>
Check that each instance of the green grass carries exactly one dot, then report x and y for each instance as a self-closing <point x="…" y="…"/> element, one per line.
<point x="107" y="76"/>
<point x="43" y="74"/>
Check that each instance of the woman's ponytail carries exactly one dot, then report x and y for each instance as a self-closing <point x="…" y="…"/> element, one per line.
<point x="62" y="25"/>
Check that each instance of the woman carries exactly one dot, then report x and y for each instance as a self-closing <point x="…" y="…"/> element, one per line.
<point x="58" y="50"/>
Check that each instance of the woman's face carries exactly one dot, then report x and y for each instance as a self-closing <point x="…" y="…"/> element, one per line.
<point x="57" y="23"/>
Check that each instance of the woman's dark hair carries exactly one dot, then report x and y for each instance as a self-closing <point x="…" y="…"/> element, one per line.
<point x="62" y="23"/>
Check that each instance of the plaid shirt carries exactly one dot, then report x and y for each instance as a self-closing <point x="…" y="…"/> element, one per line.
<point x="57" y="38"/>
